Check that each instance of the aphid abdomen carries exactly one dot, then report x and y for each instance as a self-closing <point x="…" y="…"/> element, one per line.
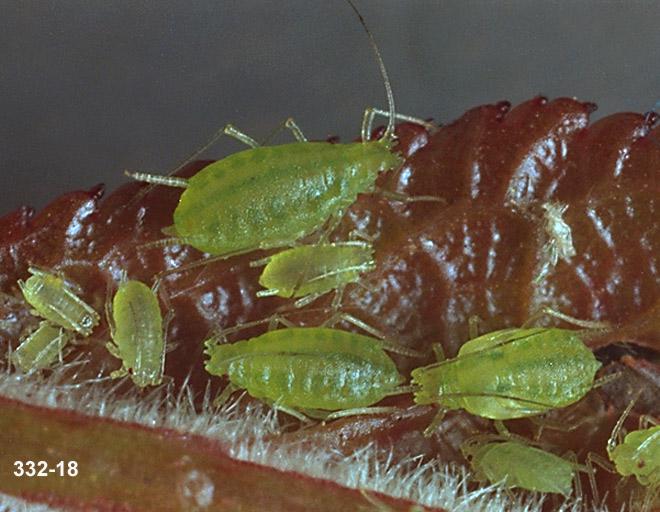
<point x="523" y="466"/>
<point x="267" y="196"/>
<point x="334" y="381"/>
<point x="41" y="348"/>
<point x="315" y="368"/>
<point x="314" y="269"/>
<point x="639" y="455"/>
<point x="541" y="369"/>
<point x="53" y="300"/>
<point x="138" y="332"/>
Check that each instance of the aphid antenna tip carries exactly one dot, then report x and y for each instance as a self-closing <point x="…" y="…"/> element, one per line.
<point x="389" y="131"/>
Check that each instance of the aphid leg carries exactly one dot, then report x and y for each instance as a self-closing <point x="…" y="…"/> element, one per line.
<point x="163" y="242"/>
<point x="435" y="422"/>
<point x="616" y="435"/>
<point x="646" y="421"/>
<point x="589" y="469"/>
<point x="222" y="397"/>
<point x="260" y="262"/>
<point x="504" y="433"/>
<point x="439" y="352"/>
<point x="370" y="113"/>
<point x="291" y="412"/>
<point x="289" y="124"/>
<point x="337" y="299"/>
<point x="594" y="458"/>
<point x="235" y="133"/>
<point x="331" y="225"/>
<point x="402" y="390"/>
<point x="542" y="422"/>
<point x="200" y="262"/>
<point x="605" y="379"/>
<point x="386" y="344"/>
<point x="360" y="410"/>
<point x="273" y="321"/>
<point x="295" y="130"/>
<point x="548" y="311"/>
<point x="157" y="179"/>
<point x="405" y="198"/>
<point x="356" y="235"/>
<point x="473" y="326"/>
<point x="307" y="299"/>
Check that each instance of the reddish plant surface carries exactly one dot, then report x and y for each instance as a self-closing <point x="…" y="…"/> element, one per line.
<point x="438" y="264"/>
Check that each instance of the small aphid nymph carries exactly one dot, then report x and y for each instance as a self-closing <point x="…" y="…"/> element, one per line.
<point x="638" y="453"/>
<point x="518" y="465"/>
<point x="310" y="271"/>
<point x="54" y="300"/>
<point x="308" y="368"/>
<point x="137" y="334"/>
<point x="511" y="373"/>
<point x="41" y="348"/>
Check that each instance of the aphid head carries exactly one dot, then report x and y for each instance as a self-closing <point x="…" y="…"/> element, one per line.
<point x="388" y="135"/>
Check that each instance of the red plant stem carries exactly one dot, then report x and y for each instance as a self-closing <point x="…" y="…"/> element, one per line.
<point x="129" y="467"/>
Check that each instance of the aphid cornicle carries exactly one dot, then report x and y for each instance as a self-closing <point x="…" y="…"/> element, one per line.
<point x="137" y="334"/>
<point x="310" y="271"/>
<point x="518" y="465"/>
<point x="54" y="300"/>
<point x="308" y="368"/>
<point x="41" y="348"/>
<point x="511" y="373"/>
<point x="271" y="196"/>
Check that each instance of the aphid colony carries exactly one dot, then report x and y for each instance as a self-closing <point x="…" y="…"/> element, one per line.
<point x="300" y="190"/>
<point x="325" y="373"/>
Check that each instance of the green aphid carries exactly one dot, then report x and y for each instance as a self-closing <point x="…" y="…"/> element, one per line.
<point x="518" y="465"/>
<point x="308" y="368"/>
<point x="639" y="452"/>
<point x="137" y="334"/>
<point x="310" y="271"/>
<point x="271" y="196"/>
<point x="511" y="373"/>
<point x="54" y="300"/>
<point x="41" y="348"/>
<point x="639" y="455"/>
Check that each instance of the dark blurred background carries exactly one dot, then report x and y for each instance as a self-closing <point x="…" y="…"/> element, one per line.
<point x="89" y="88"/>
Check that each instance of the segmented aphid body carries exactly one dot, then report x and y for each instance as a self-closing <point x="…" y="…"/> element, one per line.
<point x="273" y="195"/>
<point x="308" y="367"/>
<point x="41" y="348"/>
<point x="639" y="455"/>
<point x="54" y="300"/>
<point x="315" y="269"/>
<point x="519" y="465"/>
<point x="137" y="334"/>
<point x="511" y="373"/>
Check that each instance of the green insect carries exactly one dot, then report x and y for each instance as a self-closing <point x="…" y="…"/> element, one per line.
<point x="310" y="271"/>
<point x="41" y="348"/>
<point x="54" y="300"/>
<point x="511" y="373"/>
<point x="519" y="465"/>
<point x="308" y="368"/>
<point x="137" y="334"/>
<point x="271" y="196"/>
<point x="638" y="454"/>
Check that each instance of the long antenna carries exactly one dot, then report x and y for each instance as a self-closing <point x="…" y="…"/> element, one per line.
<point x="389" y="131"/>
